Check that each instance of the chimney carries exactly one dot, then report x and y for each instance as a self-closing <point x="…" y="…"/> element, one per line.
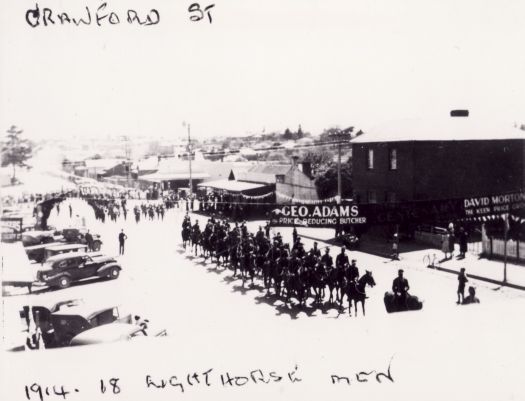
<point x="307" y="169"/>
<point x="459" y="113"/>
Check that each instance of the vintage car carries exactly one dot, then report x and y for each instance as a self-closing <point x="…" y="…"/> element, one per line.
<point x="37" y="253"/>
<point x="350" y="241"/>
<point x="65" y="320"/>
<point x="61" y="270"/>
<point x="56" y="249"/>
<point x="78" y="235"/>
<point x="114" y="332"/>
<point x="34" y="237"/>
<point x="9" y="234"/>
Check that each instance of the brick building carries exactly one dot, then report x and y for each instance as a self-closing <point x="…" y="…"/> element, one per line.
<point x="425" y="160"/>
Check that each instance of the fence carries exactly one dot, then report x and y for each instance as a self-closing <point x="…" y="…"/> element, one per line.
<point x="495" y="248"/>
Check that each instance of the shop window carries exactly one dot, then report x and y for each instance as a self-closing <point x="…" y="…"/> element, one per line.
<point x="370" y="159"/>
<point x="392" y="155"/>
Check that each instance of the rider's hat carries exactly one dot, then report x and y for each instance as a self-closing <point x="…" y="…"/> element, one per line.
<point x="400" y="271"/>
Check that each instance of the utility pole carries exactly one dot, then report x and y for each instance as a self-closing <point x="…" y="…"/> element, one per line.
<point x="189" y="158"/>
<point x="506" y="234"/>
<point x="339" y="191"/>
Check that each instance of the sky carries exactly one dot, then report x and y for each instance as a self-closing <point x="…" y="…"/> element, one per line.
<point x="260" y="65"/>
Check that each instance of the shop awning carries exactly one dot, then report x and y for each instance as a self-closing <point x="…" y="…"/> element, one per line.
<point x="159" y="177"/>
<point x="231" y="185"/>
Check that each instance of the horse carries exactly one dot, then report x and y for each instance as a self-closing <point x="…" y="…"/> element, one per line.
<point x="395" y="304"/>
<point x="356" y="291"/>
<point x="319" y="282"/>
<point x="331" y="281"/>
<point x="186" y="233"/>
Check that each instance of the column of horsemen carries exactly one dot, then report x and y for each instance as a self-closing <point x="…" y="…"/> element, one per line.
<point x="288" y="271"/>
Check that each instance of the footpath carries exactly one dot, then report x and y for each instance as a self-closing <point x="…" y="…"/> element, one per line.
<point x="417" y="256"/>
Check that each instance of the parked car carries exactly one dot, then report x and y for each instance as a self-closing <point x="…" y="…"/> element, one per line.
<point x="112" y="333"/>
<point x="38" y="252"/>
<point x="350" y="241"/>
<point x="78" y="235"/>
<point x="9" y="234"/>
<point x="65" y="320"/>
<point x="55" y="249"/>
<point x="34" y="237"/>
<point x="61" y="270"/>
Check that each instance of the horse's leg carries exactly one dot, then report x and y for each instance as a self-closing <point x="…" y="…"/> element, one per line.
<point x="363" y="307"/>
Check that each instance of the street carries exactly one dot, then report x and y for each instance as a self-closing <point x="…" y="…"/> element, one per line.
<point x="211" y="318"/>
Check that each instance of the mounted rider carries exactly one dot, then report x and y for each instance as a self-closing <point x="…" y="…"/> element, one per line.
<point x="400" y="289"/>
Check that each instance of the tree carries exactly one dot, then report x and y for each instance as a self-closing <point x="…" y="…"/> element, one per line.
<point x="287" y="134"/>
<point x="15" y="150"/>
<point x="326" y="183"/>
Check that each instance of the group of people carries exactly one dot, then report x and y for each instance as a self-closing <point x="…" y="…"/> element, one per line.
<point x="449" y="240"/>
<point x="288" y="270"/>
<point x="149" y="211"/>
<point x="108" y="207"/>
<point x="292" y="271"/>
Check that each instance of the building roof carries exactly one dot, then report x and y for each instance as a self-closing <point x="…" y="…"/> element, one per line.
<point x="231" y="185"/>
<point x="102" y="164"/>
<point x="264" y="173"/>
<point x="447" y="129"/>
<point x="167" y="176"/>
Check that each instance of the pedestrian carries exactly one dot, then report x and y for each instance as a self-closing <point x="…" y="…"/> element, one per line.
<point x="462" y="280"/>
<point x="444" y="245"/>
<point x="70" y="211"/>
<point x="294" y="235"/>
<point x="267" y="229"/>
<point x="451" y="243"/>
<point x="395" y="247"/>
<point x="89" y="241"/>
<point x="121" y="240"/>
<point x="463" y="241"/>
<point x="58" y="208"/>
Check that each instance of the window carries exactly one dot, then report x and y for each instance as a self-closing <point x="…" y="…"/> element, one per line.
<point x="390" y="197"/>
<point x="372" y="197"/>
<point x="392" y="159"/>
<point x="279" y="178"/>
<point x="370" y="159"/>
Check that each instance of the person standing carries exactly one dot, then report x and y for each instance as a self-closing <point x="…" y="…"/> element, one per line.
<point x="395" y="247"/>
<point x="121" y="240"/>
<point x="462" y="280"/>
<point x="451" y="243"/>
<point x="444" y="245"/>
<point x="463" y="241"/>
<point x="89" y="241"/>
<point x="267" y="229"/>
<point x="70" y="211"/>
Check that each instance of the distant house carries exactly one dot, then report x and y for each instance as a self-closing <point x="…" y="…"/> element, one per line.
<point x="297" y="183"/>
<point x="264" y="173"/>
<point x="97" y="168"/>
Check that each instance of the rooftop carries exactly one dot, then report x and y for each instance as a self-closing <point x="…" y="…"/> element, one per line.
<point x="447" y="129"/>
<point x="231" y="185"/>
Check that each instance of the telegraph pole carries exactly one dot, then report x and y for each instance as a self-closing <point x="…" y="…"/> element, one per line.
<point x="339" y="191"/>
<point x="189" y="160"/>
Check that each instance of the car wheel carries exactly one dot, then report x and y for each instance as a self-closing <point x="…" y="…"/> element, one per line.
<point x="96" y="246"/>
<point x="64" y="282"/>
<point x="114" y="273"/>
